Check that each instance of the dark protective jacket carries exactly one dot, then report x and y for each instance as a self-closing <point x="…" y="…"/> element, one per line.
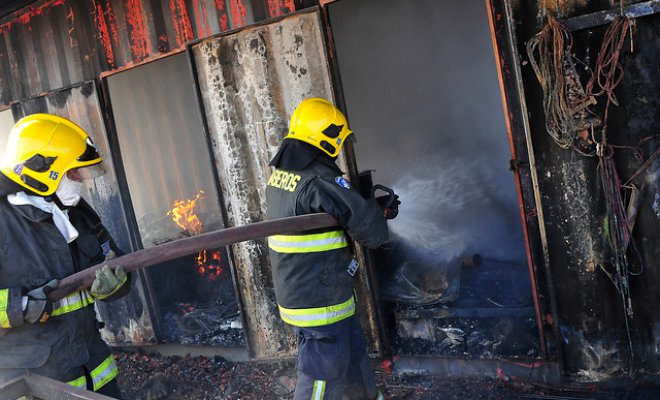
<point x="33" y="252"/>
<point x="310" y="270"/>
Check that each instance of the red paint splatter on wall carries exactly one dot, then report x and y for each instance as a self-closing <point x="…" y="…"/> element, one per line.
<point x="104" y="33"/>
<point x="73" y="41"/>
<point x="277" y="8"/>
<point x="238" y="13"/>
<point x="222" y="14"/>
<point x="139" y="36"/>
<point x="181" y="22"/>
<point x="201" y="19"/>
<point x="112" y="22"/>
<point x="26" y="16"/>
<point x="163" y="43"/>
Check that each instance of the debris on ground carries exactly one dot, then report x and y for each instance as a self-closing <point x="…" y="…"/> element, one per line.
<point x="215" y="378"/>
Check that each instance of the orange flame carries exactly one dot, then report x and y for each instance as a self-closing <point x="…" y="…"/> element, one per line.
<point x="183" y="214"/>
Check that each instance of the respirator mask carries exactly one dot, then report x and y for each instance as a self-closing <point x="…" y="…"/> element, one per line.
<point x="69" y="191"/>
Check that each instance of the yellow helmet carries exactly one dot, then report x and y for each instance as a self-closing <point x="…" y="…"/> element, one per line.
<point x="317" y="122"/>
<point x="41" y="148"/>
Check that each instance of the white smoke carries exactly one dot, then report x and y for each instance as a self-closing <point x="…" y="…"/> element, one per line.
<point x="454" y="210"/>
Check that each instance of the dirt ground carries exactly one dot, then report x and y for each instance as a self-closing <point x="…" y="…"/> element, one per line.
<point x="200" y="378"/>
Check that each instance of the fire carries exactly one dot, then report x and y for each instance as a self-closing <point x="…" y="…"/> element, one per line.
<point x="211" y="267"/>
<point x="183" y="214"/>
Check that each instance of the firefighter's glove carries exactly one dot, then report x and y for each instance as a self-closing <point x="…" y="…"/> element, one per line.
<point x="157" y="387"/>
<point x="37" y="306"/>
<point x="108" y="282"/>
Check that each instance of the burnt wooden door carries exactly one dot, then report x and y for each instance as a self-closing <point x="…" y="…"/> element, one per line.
<point x="249" y="83"/>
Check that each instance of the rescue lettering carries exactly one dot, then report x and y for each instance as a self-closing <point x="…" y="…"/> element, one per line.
<point x="284" y="180"/>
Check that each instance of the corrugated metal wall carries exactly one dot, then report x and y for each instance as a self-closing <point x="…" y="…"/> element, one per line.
<point x="56" y="43"/>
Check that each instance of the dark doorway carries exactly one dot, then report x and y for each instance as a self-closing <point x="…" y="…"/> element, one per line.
<point x="421" y="88"/>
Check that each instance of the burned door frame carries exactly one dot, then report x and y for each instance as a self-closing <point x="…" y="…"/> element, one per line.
<point x="369" y="280"/>
<point x="372" y="317"/>
<point x="523" y="166"/>
<point x="526" y="184"/>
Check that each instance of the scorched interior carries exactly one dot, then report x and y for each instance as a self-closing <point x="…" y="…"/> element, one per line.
<point x="173" y="195"/>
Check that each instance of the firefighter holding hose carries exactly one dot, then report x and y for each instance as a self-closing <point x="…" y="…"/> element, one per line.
<point x="313" y="271"/>
<point x="50" y="232"/>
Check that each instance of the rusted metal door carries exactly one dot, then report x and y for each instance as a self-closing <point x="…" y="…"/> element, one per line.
<point x="249" y="83"/>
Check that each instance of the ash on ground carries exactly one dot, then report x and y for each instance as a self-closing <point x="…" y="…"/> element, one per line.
<point x="492" y="318"/>
<point x="200" y="378"/>
<point x="477" y="338"/>
<point x="214" y="323"/>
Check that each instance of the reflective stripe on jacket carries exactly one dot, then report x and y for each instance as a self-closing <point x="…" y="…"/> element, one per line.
<point x="311" y="243"/>
<point x="312" y="285"/>
<point x="34" y="253"/>
<point x="74" y="301"/>
<point x="318" y="316"/>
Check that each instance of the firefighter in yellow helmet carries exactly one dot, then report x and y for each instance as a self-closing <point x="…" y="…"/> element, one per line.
<point x="48" y="233"/>
<point x="313" y="271"/>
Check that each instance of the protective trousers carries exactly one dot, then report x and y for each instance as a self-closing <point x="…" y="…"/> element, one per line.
<point x="333" y="361"/>
<point x="96" y="374"/>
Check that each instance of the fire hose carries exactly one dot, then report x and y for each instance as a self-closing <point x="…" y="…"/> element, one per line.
<point x="179" y="248"/>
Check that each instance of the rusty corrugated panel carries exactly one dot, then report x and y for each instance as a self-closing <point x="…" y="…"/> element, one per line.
<point x="277" y="8"/>
<point x="57" y="43"/>
<point x="251" y="81"/>
<point x="44" y="47"/>
<point x="129" y="321"/>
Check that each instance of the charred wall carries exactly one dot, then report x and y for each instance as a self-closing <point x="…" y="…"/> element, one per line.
<point x="592" y="326"/>
<point x="50" y="47"/>
<point x="52" y="44"/>
<point x="250" y="82"/>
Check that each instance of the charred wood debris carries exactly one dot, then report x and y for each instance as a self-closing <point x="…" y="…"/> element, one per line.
<point x="215" y="378"/>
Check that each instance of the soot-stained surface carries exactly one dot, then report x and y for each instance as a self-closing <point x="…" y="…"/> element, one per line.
<point x="493" y="317"/>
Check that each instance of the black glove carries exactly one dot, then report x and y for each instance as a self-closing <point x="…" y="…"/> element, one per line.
<point x="38" y="306"/>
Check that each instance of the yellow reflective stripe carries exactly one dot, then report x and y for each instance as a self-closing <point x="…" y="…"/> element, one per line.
<point x="319" y="390"/>
<point x="79" y="383"/>
<point x="311" y="243"/>
<point x="72" y="302"/>
<point x="4" y="299"/>
<point x="104" y="373"/>
<point x="320" y="316"/>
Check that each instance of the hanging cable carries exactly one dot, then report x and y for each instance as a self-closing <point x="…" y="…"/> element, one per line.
<point x="609" y="71"/>
<point x="607" y="75"/>
<point x="565" y="102"/>
<point x="547" y="51"/>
